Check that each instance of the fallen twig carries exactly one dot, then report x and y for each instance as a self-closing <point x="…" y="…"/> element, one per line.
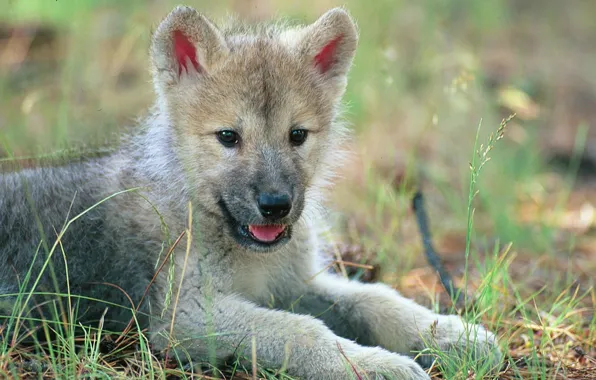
<point x="431" y="255"/>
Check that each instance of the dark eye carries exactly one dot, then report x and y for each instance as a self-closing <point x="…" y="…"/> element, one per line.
<point x="228" y="138"/>
<point x="298" y="136"/>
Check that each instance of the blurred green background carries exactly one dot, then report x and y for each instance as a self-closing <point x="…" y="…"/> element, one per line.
<point x="426" y="75"/>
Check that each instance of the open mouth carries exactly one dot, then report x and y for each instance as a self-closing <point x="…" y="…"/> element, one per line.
<point x="264" y="235"/>
<point x="260" y="237"/>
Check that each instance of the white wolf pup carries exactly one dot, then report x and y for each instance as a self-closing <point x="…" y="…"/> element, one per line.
<point x="243" y="133"/>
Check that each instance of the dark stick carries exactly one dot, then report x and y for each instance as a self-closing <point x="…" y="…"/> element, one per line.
<point x="431" y="255"/>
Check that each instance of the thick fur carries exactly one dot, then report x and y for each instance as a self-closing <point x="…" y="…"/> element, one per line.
<point x="222" y="294"/>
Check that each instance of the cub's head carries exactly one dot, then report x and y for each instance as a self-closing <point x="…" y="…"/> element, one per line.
<point x="252" y="113"/>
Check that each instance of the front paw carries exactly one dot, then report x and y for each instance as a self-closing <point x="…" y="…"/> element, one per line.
<point x="377" y="363"/>
<point x="451" y="339"/>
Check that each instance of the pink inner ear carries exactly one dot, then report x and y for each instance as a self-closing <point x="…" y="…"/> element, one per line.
<point x="326" y="57"/>
<point x="184" y="49"/>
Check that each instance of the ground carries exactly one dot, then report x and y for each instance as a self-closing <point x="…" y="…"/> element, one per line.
<point x="513" y="220"/>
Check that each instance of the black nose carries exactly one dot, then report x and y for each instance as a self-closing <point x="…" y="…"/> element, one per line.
<point x="274" y="205"/>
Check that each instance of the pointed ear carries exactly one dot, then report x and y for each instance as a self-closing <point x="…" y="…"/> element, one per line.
<point x="185" y="44"/>
<point x="330" y="43"/>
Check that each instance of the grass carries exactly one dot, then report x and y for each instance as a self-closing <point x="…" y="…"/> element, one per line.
<point x="520" y="235"/>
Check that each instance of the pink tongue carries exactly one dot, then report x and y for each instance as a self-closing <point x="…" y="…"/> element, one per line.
<point x="266" y="233"/>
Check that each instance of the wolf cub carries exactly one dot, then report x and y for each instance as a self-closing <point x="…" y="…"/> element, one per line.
<point x="241" y="141"/>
